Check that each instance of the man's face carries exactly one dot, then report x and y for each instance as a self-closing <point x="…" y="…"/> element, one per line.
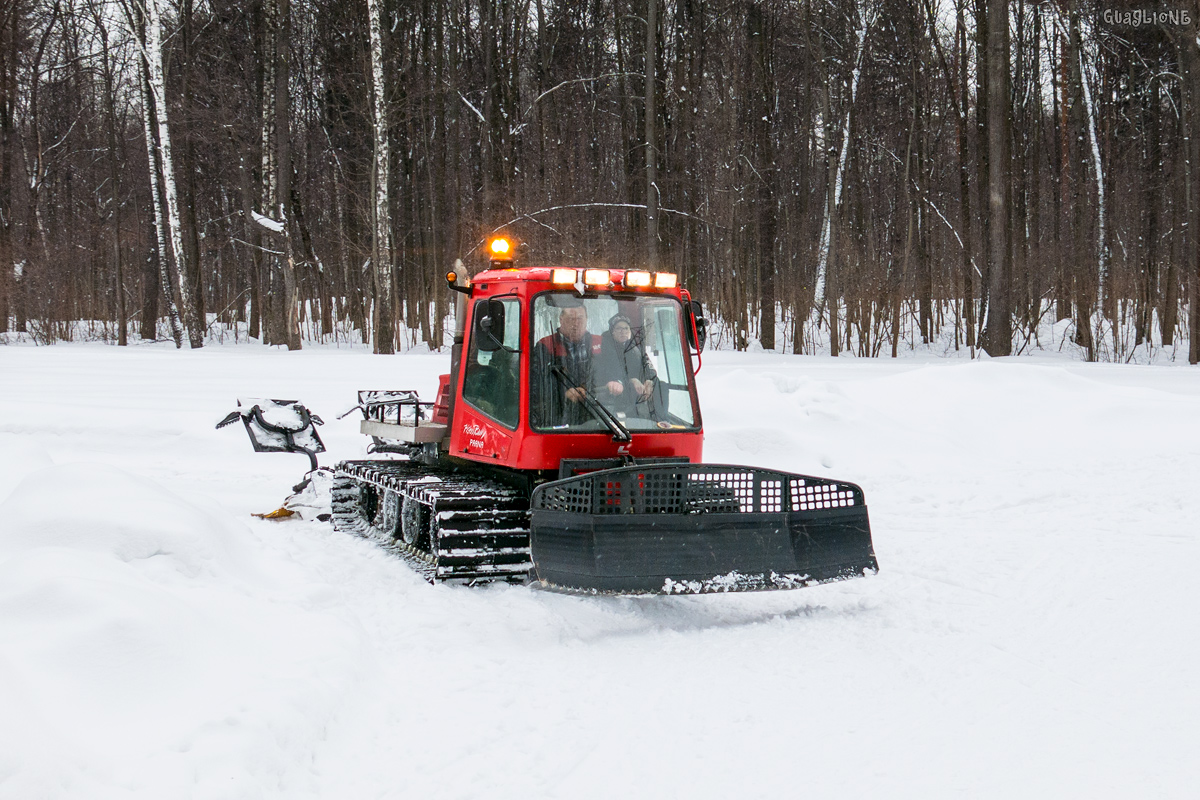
<point x="573" y="323"/>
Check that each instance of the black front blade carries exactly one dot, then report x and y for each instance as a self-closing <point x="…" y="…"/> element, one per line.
<point x="665" y="529"/>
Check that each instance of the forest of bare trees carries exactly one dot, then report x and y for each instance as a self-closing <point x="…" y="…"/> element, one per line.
<point x="882" y="171"/>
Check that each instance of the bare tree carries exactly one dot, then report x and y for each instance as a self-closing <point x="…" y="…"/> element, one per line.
<point x="157" y="87"/>
<point x="381" y="249"/>
<point x="651" y="112"/>
<point x="283" y="323"/>
<point x="108" y="69"/>
<point x="998" y="338"/>
<point x="772" y="153"/>
<point x="10" y="26"/>
<point x="1102" y="291"/>
<point x="761" y="82"/>
<point x="837" y="172"/>
<point x="136" y="18"/>
<point x="1189" y="62"/>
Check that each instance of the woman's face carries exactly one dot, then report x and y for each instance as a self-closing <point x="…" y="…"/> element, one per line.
<point x="621" y="332"/>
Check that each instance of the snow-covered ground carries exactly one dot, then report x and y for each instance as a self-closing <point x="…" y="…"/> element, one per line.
<point x="1032" y="633"/>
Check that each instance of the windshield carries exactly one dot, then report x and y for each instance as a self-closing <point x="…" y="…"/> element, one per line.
<point x="625" y="352"/>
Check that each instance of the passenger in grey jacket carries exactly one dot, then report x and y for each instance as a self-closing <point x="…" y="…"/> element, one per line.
<point x="624" y="374"/>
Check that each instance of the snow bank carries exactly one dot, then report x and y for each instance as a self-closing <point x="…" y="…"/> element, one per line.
<point x="99" y="509"/>
<point x="21" y="456"/>
<point x="1029" y="634"/>
<point x="141" y="651"/>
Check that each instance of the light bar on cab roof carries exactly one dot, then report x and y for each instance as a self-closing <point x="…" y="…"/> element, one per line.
<point x="637" y="279"/>
<point x="596" y="277"/>
<point x="665" y="280"/>
<point x="566" y="276"/>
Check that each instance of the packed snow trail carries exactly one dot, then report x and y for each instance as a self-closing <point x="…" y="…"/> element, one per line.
<point x="1030" y="633"/>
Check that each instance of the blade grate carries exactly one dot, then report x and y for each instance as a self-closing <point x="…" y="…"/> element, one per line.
<point x="693" y="489"/>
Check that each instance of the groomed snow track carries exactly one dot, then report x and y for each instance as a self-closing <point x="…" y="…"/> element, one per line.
<point x="448" y="525"/>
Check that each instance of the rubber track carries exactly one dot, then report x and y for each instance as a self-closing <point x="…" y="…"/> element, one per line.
<point x="480" y="527"/>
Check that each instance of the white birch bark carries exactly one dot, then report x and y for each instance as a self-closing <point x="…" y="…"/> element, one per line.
<point x="1101" y="244"/>
<point x="166" y="165"/>
<point x="381" y="251"/>
<point x="833" y="201"/>
<point x="1097" y="167"/>
<point x="164" y="268"/>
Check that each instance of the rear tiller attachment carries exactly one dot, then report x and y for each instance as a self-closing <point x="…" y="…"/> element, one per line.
<point x="279" y="426"/>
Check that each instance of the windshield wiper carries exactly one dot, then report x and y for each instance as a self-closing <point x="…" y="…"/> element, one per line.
<point x="620" y="432"/>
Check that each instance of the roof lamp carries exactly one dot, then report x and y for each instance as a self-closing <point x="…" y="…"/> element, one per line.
<point x="637" y="279"/>
<point x="563" y="276"/>
<point x="596" y="277"/>
<point x="665" y="280"/>
<point x="501" y="249"/>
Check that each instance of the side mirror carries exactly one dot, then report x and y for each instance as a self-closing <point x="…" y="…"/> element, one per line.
<point x="489" y="325"/>
<point x="700" y="336"/>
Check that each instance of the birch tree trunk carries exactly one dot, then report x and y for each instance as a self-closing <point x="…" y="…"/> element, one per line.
<point x="833" y="195"/>
<point x="381" y="250"/>
<point x="164" y="268"/>
<point x="175" y="233"/>
<point x="1098" y="172"/>
<point x="1073" y="45"/>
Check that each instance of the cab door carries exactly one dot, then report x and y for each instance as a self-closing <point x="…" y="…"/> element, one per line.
<point x="490" y="408"/>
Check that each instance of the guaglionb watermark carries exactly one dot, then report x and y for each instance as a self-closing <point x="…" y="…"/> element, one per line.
<point x="1140" y="17"/>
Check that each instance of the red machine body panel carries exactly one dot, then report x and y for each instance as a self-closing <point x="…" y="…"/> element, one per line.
<point x="476" y="436"/>
<point x="441" y="406"/>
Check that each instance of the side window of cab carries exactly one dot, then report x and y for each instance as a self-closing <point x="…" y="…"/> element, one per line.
<point x="490" y="382"/>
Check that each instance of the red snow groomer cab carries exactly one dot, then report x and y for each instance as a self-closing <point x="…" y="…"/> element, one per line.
<point x="565" y="448"/>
